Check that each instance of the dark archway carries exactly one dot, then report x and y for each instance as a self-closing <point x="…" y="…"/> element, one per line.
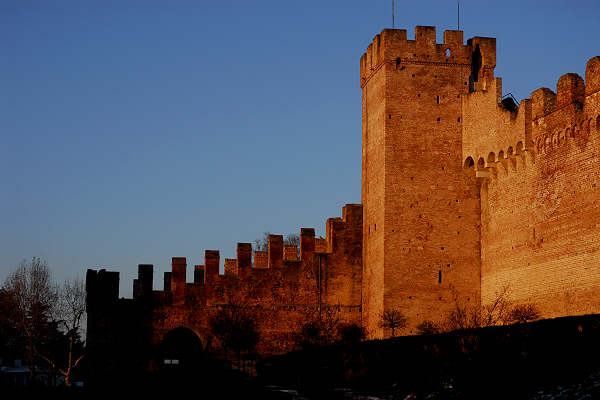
<point x="181" y="348"/>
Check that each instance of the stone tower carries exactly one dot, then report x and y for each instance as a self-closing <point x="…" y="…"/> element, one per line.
<point x="421" y="217"/>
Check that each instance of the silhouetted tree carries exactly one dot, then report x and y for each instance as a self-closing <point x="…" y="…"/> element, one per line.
<point x="236" y="327"/>
<point x="45" y="319"/>
<point x="350" y="333"/>
<point x="428" y="327"/>
<point x="262" y="244"/>
<point x="319" y="328"/>
<point x="392" y="319"/>
<point x="466" y="315"/>
<point x="69" y="313"/>
<point x="524" y="313"/>
<point x="33" y="298"/>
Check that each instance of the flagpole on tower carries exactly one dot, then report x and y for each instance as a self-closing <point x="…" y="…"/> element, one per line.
<point x="392" y="14"/>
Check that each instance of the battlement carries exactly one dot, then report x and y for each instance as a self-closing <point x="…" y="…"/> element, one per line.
<point x="391" y="47"/>
<point x="344" y="237"/>
<point x="494" y="132"/>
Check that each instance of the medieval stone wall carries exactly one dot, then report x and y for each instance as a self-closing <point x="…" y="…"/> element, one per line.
<point x="464" y="193"/>
<point x="280" y="290"/>
<point x="421" y="227"/>
<point x="540" y="198"/>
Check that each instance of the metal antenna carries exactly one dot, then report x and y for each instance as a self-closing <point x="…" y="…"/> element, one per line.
<point x="392" y="14"/>
<point x="458" y="15"/>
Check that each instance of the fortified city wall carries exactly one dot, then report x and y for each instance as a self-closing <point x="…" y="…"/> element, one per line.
<point x="465" y="193"/>
<point x="540" y="198"/>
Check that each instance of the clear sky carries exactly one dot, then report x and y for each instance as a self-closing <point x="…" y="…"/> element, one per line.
<point x="132" y="132"/>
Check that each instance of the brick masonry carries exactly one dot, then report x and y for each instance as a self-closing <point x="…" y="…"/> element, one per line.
<point x="464" y="193"/>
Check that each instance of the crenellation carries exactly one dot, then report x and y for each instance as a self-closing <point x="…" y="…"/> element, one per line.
<point x="307" y="244"/>
<point x="570" y="89"/>
<point x="592" y="76"/>
<point x="199" y="273"/>
<point x="543" y="102"/>
<point x="290" y="252"/>
<point x="275" y="250"/>
<point x="244" y="259"/>
<point x="230" y="267"/>
<point x="464" y="192"/>
<point x="261" y="259"/>
<point x="167" y="281"/>
<point x="453" y="39"/>
<point x="211" y="264"/>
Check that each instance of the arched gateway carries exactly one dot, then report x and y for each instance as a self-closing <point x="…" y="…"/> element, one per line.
<point x="181" y="348"/>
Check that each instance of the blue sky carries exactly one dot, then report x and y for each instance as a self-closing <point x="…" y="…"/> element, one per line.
<point x="132" y="132"/>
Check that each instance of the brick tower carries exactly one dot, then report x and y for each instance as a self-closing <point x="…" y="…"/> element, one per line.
<point x="421" y="218"/>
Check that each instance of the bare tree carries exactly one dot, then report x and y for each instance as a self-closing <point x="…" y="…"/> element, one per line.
<point x="351" y="333"/>
<point x="44" y="315"/>
<point x="69" y="312"/>
<point x="262" y="244"/>
<point x="236" y="327"/>
<point x="428" y="327"/>
<point x="319" y="327"/>
<point x="468" y="316"/>
<point x="496" y="312"/>
<point x="292" y="239"/>
<point x="524" y="313"/>
<point x="392" y="319"/>
<point x="33" y="297"/>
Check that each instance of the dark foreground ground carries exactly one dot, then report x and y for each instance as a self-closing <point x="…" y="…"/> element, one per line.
<point x="550" y="359"/>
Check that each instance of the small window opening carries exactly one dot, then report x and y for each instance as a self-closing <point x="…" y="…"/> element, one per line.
<point x="389" y="116"/>
<point x="440" y="277"/>
<point x="419" y="95"/>
<point x="458" y="120"/>
<point x="375" y="227"/>
<point x="397" y="62"/>
<point x="447" y="52"/>
<point x="437" y="99"/>
<point x="442" y="248"/>
<point x="438" y="119"/>
<point x="413" y="75"/>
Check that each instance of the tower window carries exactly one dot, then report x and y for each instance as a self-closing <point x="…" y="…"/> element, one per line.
<point x="440" y="276"/>
<point x="437" y="99"/>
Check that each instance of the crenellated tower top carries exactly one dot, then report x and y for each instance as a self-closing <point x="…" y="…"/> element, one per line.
<point x="392" y="46"/>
